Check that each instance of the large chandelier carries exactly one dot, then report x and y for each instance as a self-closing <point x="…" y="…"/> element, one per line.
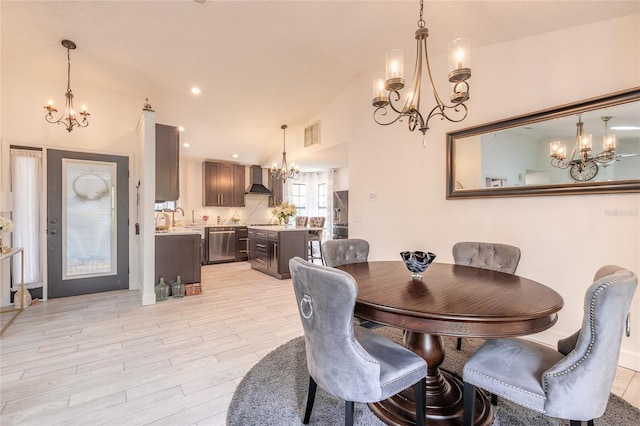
<point x="387" y="86"/>
<point x="583" y="163"/>
<point x="284" y="172"/>
<point x="68" y="118"/>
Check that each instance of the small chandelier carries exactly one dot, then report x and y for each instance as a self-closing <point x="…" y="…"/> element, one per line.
<point x="284" y="172"/>
<point x="584" y="165"/>
<point x="387" y="86"/>
<point x="68" y="118"/>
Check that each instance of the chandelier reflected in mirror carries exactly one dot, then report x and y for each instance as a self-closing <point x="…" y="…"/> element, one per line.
<point x="284" y="172"/>
<point x="68" y="118"/>
<point x="582" y="162"/>
<point x="392" y="105"/>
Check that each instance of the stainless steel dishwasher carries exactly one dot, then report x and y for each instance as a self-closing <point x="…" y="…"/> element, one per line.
<point x="221" y="244"/>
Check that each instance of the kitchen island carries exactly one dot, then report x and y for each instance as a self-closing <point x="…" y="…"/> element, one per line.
<point x="271" y="247"/>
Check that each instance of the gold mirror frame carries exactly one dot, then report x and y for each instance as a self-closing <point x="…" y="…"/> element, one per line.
<point x="454" y="191"/>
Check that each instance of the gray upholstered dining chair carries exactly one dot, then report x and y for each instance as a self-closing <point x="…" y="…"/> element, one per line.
<point x="345" y="252"/>
<point x="493" y="256"/>
<point x="347" y="361"/>
<point x="573" y="383"/>
<point x="302" y="220"/>
<point x="316" y="222"/>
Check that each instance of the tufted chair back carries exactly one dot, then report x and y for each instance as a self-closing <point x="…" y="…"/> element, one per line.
<point x="349" y="362"/>
<point x="302" y="220"/>
<point x="335" y="360"/>
<point x="574" y="385"/>
<point x="497" y="257"/>
<point x="577" y="387"/>
<point x="345" y="251"/>
<point x="316" y="222"/>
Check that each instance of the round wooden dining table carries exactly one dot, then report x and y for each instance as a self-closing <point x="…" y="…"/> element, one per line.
<point x="449" y="300"/>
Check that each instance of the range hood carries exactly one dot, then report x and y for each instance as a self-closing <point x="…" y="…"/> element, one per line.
<point x="255" y="182"/>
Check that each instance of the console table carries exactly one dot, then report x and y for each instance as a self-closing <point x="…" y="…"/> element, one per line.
<point x="9" y="255"/>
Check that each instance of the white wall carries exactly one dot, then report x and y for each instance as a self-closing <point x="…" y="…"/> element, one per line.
<point x="397" y="188"/>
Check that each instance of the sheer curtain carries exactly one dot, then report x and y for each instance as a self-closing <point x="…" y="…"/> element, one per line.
<point x="26" y="187"/>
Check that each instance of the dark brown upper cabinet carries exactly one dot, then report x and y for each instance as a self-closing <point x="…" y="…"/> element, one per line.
<point x="223" y="184"/>
<point x="167" y="163"/>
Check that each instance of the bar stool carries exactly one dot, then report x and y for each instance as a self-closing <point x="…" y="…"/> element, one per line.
<point x="316" y="235"/>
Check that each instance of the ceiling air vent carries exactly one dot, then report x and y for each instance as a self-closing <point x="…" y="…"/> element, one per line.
<point x="312" y="135"/>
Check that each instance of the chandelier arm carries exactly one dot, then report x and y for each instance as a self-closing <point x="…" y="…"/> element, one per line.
<point x="561" y="164"/>
<point x="382" y="110"/>
<point x="414" y="99"/>
<point x="457" y="108"/>
<point x="384" y="113"/>
<point x="394" y="103"/>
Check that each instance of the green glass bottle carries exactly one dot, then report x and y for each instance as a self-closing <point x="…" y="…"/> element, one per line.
<point x="162" y="291"/>
<point x="177" y="288"/>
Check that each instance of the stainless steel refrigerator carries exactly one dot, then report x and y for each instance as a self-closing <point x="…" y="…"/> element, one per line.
<point x="340" y="215"/>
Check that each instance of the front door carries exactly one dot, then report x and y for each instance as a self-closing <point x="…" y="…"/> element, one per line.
<point x="87" y="223"/>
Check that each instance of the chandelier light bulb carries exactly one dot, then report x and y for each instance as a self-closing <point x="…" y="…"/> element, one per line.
<point x="609" y="143"/>
<point x="380" y="98"/>
<point x="585" y="142"/>
<point x="608" y="140"/>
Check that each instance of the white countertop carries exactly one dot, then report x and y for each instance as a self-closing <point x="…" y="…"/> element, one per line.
<point x="281" y="228"/>
<point x="178" y="231"/>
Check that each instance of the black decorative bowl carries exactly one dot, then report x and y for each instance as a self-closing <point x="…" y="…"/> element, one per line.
<point x="417" y="262"/>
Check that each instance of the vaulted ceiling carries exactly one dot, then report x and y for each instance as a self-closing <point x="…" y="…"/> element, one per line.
<point x="259" y="63"/>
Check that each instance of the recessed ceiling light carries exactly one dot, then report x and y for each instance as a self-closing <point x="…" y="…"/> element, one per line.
<point x="180" y="129"/>
<point x="234" y="155"/>
<point x="186" y="144"/>
<point x="196" y="90"/>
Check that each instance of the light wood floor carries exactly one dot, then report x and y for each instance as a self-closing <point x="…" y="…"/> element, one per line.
<point x="105" y="359"/>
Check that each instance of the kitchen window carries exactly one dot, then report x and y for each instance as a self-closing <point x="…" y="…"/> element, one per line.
<point x="299" y="198"/>
<point x="322" y="200"/>
<point x="167" y="205"/>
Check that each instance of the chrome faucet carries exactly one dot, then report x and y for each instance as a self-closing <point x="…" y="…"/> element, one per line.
<point x="173" y="215"/>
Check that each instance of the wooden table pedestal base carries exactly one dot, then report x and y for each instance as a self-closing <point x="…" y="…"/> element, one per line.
<point x="444" y="391"/>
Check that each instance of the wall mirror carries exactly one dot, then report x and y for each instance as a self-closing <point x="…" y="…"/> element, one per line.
<point x="532" y="154"/>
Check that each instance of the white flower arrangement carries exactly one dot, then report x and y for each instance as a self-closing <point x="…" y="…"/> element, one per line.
<point x="284" y="211"/>
<point x="5" y="224"/>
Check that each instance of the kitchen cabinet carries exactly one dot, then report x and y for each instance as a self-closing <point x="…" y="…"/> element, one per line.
<point x="167" y="163"/>
<point x="270" y="249"/>
<point x="259" y="249"/>
<point x="178" y="254"/>
<point x="239" y="186"/>
<point x="242" y="243"/>
<point x="223" y="184"/>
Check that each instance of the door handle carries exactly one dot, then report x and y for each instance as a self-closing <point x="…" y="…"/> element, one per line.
<point x="54" y="231"/>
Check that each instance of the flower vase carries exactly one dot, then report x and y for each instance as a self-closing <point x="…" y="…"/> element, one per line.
<point x="4" y="249"/>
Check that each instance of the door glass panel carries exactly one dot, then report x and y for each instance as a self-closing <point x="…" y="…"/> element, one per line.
<point x="88" y="218"/>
